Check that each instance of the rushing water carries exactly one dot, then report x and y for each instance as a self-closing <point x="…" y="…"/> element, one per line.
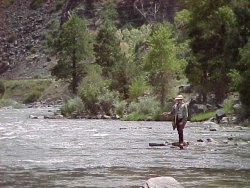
<point x="107" y="153"/>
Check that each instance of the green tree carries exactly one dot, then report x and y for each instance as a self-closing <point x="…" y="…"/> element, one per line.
<point x="138" y="88"/>
<point x="244" y="84"/>
<point x="133" y="44"/>
<point x="108" y="13"/>
<point x="127" y="72"/>
<point x="107" y="45"/>
<point x="95" y="92"/>
<point x="122" y="73"/>
<point x="161" y="62"/>
<point x="107" y="48"/>
<point x="74" y="48"/>
<point x="213" y="33"/>
<point x="117" y="66"/>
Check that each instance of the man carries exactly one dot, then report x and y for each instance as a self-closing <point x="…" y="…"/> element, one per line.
<point x="180" y="113"/>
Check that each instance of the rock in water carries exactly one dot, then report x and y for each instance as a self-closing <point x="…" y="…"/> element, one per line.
<point x="156" y="144"/>
<point x="162" y="182"/>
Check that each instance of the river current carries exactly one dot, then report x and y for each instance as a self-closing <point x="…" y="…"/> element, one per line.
<point x="112" y="153"/>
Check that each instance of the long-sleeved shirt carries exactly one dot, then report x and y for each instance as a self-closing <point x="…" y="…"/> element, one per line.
<point x="180" y="111"/>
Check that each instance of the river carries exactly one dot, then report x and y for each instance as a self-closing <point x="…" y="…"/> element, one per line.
<point x="112" y="153"/>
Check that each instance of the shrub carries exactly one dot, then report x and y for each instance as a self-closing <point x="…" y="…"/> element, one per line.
<point x="73" y="107"/>
<point x="146" y="106"/>
<point x="138" y="88"/>
<point x="33" y="50"/>
<point x="120" y="107"/>
<point x="107" y="101"/>
<point x="2" y="88"/>
<point x="91" y="88"/>
<point x="33" y="96"/>
<point x="89" y="96"/>
<point x="228" y="105"/>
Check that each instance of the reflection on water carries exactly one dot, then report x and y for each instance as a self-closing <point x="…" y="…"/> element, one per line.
<point x="97" y="153"/>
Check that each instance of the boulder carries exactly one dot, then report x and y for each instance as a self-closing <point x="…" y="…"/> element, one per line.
<point x="198" y="108"/>
<point x="200" y="140"/>
<point x="33" y="117"/>
<point x="162" y="182"/>
<point x="219" y="114"/>
<point x="210" y="140"/>
<point x="224" y="120"/>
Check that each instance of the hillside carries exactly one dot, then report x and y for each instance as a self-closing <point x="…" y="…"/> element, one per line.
<point x="24" y="24"/>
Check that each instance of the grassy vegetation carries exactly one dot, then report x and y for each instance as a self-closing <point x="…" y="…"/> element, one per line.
<point x="10" y="102"/>
<point x="21" y="90"/>
<point x="202" y="116"/>
<point x="227" y="108"/>
<point x="136" y="116"/>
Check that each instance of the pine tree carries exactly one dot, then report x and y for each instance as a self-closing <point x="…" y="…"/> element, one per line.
<point x="74" y="48"/>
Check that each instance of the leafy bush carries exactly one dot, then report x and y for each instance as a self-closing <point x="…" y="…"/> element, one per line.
<point x="91" y="88"/>
<point x="120" y="107"/>
<point x="228" y="105"/>
<point x="89" y="96"/>
<point x="107" y="101"/>
<point x="146" y="106"/>
<point x="33" y="96"/>
<point x="138" y="88"/>
<point x="2" y="88"/>
<point x="72" y="106"/>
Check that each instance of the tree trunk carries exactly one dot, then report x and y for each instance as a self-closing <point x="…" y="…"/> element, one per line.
<point x="74" y="73"/>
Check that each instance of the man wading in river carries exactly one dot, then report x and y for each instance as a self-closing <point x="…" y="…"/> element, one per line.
<point x="180" y="112"/>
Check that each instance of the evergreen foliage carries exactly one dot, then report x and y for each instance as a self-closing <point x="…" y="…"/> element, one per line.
<point x="217" y="29"/>
<point x="107" y="48"/>
<point x="74" y="49"/>
<point x="212" y="28"/>
<point x="109" y="14"/>
<point x="244" y="84"/>
<point x="207" y="42"/>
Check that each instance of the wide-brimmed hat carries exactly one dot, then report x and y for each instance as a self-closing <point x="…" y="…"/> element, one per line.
<point x="179" y="97"/>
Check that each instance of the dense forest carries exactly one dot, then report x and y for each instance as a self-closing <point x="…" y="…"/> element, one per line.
<point x="127" y="57"/>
